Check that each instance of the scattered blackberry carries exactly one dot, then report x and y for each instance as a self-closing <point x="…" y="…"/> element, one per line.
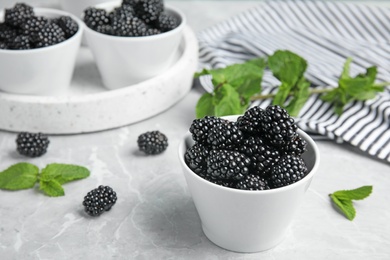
<point x="253" y="182"/>
<point x="32" y="144"/>
<point x="17" y="15"/>
<point x="227" y="165"/>
<point x="250" y="122"/>
<point x="288" y="170"/>
<point x="195" y="158"/>
<point x="49" y="35"/>
<point x="99" y="200"/>
<point x="96" y="19"/>
<point x="200" y="127"/>
<point x="148" y="10"/>
<point x="33" y="25"/>
<point x="152" y="142"/>
<point x="278" y="127"/>
<point x="225" y="136"/>
<point x="167" y="22"/>
<point x="128" y="26"/>
<point x="296" y="147"/>
<point x="20" y="42"/>
<point x="262" y="155"/>
<point x="68" y="25"/>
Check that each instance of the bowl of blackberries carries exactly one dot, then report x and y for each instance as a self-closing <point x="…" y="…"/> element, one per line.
<point x="133" y="40"/>
<point x="38" y="49"/>
<point x="247" y="175"/>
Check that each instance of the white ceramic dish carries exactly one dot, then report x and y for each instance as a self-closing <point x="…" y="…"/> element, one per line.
<point x="88" y="108"/>
<point x="247" y="221"/>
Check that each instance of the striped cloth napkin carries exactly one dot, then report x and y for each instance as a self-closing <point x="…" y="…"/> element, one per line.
<point x="325" y="34"/>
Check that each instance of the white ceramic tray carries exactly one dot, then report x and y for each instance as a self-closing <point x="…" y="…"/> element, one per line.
<point x="89" y="107"/>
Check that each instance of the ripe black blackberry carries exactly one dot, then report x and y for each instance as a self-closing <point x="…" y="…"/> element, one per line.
<point x="250" y="122"/>
<point x="99" y="200"/>
<point x="166" y="22"/>
<point x="96" y="19"/>
<point x="148" y="10"/>
<point x="262" y="155"/>
<point x="288" y="170"/>
<point x="152" y="31"/>
<point x="227" y="165"/>
<point x="32" y="144"/>
<point x="49" y="35"/>
<point x="296" y="147"/>
<point x="278" y="126"/>
<point x="225" y="136"/>
<point x="128" y="26"/>
<point x="195" y="158"/>
<point x="200" y="127"/>
<point x="33" y="25"/>
<point x="125" y="10"/>
<point x="68" y="25"/>
<point x="7" y="33"/>
<point x="18" y="14"/>
<point x="225" y="183"/>
<point x="153" y="142"/>
<point x="20" y="42"/>
<point x="252" y="182"/>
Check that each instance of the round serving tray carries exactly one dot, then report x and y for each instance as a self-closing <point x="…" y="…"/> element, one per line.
<point x="89" y="107"/>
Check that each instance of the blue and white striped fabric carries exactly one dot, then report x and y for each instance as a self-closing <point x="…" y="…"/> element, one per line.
<point x="325" y="34"/>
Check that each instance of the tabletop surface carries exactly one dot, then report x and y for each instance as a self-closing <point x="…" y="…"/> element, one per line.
<point x="155" y="217"/>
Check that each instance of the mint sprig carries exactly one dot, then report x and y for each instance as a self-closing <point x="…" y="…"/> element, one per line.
<point x="25" y="176"/>
<point x="342" y="199"/>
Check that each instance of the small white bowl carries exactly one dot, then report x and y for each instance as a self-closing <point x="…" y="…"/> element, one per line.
<point x="243" y="220"/>
<point x="77" y="7"/>
<point x="124" y="61"/>
<point x="41" y="71"/>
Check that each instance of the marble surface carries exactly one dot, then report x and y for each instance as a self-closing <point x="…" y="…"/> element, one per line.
<point x="155" y="218"/>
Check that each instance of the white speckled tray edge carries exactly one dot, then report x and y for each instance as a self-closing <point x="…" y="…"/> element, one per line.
<point x="102" y="110"/>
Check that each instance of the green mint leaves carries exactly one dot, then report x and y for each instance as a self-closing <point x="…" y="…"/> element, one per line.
<point x="237" y="85"/>
<point x="25" y="175"/>
<point x="342" y="199"/>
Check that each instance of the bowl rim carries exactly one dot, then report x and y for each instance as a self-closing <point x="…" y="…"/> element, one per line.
<point x="110" y="4"/>
<point x="41" y="12"/>
<point x="301" y="133"/>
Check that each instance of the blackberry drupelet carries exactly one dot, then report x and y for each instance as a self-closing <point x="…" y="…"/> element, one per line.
<point x="288" y="170"/>
<point x="250" y="122"/>
<point x="225" y="136"/>
<point x="3" y="45"/>
<point x="33" y="25"/>
<point x="296" y="147"/>
<point x="227" y="165"/>
<point x="128" y="26"/>
<point x="32" y="144"/>
<point x="153" y="142"/>
<point x="200" y="127"/>
<point x="166" y="22"/>
<point x="252" y="182"/>
<point x="96" y="19"/>
<point x="99" y="200"/>
<point x="20" y="42"/>
<point x="18" y="14"/>
<point x="278" y="126"/>
<point x="49" y="35"/>
<point x="68" y="25"/>
<point x="148" y="10"/>
<point x="195" y="158"/>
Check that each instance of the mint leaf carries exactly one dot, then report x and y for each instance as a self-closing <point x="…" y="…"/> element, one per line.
<point x="51" y="188"/>
<point x="355" y="194"/>
<point x="205" y="106"/>
<point x="228" y="102"/>
<point x="19" y="176"/>
<point x="63" y="173"/>
<point x="345" y="206"/>
<point x="299" y="97"/>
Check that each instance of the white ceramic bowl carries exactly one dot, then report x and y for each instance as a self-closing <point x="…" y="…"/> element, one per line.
<point x="242" y="220"/>
<point x="77" y="7"/>
<point x="124" y="61"/>
<point x="41" y="71"/>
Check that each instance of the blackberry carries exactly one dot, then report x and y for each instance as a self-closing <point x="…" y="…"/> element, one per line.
<point x="96" y="19"/>
<point x="278" y="127"/>
<point x="195" y="158"/>
<point x="152" y="142"/>
<point x="152" y="31"/>
<point x="200" y="127"/>
<point x="296" y="147"/>
<point x="68" y="25"/>
<point x="128" y="26"/>
<point x="224" y="183"/>
<point x="167" y="22"/>
<point x="123" y="11"/>
<point x="99" y="200"/>
<point x="252" y="182"/>
<point x="262" y="155"/>
<point x="49" y="35"/>
<point x="7" y="33"/>
<point x="20" y="42"/>
<point x="148" y="10"/>
<point x="33" y="25"/>
<point x="227" y="165"/>
<point x="32" y="144"/>
<point x="17" y="15"/>
<point x="288" y="170"/>
<point x="250" y="122"/>
<point x="225" y="136"/>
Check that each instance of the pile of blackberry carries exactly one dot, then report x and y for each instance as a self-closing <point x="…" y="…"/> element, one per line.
<point x="133" y="18"/>
<point x="260" y="151"/>
<point x="22" y="29"/>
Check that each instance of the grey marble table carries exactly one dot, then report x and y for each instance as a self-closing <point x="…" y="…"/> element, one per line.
<point x="155" y="218"/>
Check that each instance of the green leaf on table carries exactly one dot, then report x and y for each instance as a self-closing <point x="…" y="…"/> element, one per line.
<point x="19" y="176"/>
<point x="51" y="188"/>
<point x="345" y="206"/>
<point x="64" y="173"/>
